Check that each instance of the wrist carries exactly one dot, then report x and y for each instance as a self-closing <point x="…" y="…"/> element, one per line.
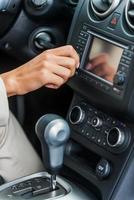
<point x="10" y="83"/>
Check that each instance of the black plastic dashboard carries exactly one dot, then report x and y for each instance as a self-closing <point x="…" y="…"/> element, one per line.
<point x="101" y="113"/>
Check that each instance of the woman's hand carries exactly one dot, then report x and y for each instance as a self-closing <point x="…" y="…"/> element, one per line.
<point x="51" y="69"/>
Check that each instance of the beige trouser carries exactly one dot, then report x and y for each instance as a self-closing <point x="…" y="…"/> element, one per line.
<point x="17" y="156"/>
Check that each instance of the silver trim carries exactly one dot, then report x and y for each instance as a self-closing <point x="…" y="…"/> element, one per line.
<point x="109" y="11"/>
<point x="73" y="192"/>
<point x="53" y="181"/>
<point x="126" y="14"/>
<point x="107" y="40"/>
<point x="81" y="117"/>
<point x="121" y="137"/>
<point x="99" y="122"/>
<point x="72" y="2"/>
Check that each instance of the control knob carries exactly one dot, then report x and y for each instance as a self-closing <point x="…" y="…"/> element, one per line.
<point x="119" y="78"/>
<point x="96" y="122"/>
<point x="77" y="115"/>
<point x="103" y="169"/>
<point x="115" y="137"/>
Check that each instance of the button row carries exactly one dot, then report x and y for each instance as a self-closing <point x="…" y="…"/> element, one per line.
<point x="84" y="35"/>
<point x="128" y="54"/>
<point x="125" y="61"/>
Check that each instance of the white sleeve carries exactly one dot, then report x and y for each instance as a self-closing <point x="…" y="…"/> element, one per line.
<point x="4" y="107"/>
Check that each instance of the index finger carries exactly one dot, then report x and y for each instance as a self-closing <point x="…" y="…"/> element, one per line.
<point x="66" y="51"/>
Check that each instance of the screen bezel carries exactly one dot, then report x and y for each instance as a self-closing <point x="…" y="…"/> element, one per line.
<point x="88" y="49"/>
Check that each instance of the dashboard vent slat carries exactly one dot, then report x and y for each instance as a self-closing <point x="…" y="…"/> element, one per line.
<point x="103" y="8"/>
<point x="129" y="14"/>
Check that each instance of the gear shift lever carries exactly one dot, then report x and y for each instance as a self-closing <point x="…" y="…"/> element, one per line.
<point x="53" y="133"/>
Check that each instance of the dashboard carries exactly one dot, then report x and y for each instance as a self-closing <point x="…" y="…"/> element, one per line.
<point x="101" y="113"/>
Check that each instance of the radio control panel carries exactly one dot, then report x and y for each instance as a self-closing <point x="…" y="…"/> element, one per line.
<point x="122" y="75"/>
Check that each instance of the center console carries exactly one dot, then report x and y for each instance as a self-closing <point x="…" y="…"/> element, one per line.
<point x="101" y="114"/>
<point x="100" y="153"/>
<point x="53" y="132"/>
<point x="36" y="186"/>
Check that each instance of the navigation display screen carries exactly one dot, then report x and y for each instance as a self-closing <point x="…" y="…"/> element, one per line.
<point x="103" y="59"/>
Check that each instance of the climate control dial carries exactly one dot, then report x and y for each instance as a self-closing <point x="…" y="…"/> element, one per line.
<point x="77" y="115"/>
<point x="96" y="122"/>
<point x="115" y="137"/>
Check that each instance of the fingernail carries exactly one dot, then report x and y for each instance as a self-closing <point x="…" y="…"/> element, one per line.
<point x="78" y="66"/>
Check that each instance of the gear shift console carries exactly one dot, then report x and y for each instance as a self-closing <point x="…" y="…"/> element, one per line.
<point x="53" y="133"/>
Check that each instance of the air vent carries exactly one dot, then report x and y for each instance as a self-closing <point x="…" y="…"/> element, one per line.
<point x="103" y="8"/>
<point x="130" y="13"/>
<point x="72" y="2"/>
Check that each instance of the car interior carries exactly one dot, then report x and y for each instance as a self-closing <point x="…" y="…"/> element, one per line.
<point x="94" y="159"/>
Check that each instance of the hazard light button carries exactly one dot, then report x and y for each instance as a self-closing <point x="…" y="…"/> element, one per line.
<point x="114" y="20"/>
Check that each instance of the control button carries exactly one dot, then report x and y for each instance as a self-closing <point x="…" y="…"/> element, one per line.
<point x="77" y="115"/>
<point x="114" y="122"/>
<point x="99" y="141"/>
<point x="119" y="78"/>
<point x="115" y="137"/>
<point x="94" y="137"/>
<point x="123" y="60"/>
<point x="114" y="20"/>
<point x="41" y="188"/>
<point x="81" y="42"/>
<point x="84" y="27"/>
<point x="127" y="62"/>
<point x="125" y="53"/>
<point x="131" y="48"/>
<point x="88" y="135"/>
<point x="84" y="35"/>
<point x="104" y="144"/>
<point x="128" y="54"/>
<point x="21" y="189"/>
<point x="96" y="122"/>
<point x="103" y="169"/>
<point x="124" y="69"/>
<point x="81" y="33"/>
<point x="106" y="131"/>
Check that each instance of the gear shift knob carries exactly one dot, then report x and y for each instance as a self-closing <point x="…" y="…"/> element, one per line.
<point x="53" y="133"/>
